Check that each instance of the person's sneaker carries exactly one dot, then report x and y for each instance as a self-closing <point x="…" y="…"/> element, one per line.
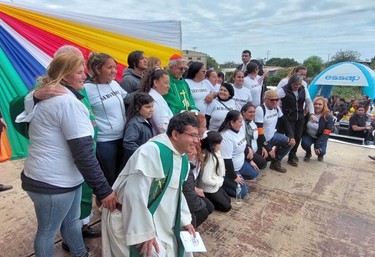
<point x="5" y="187"/>
<point x="91" y="233"/>
<point x="307" y="157"/>
<point x="292" y="162"/>
<point x="294" y="157"/>
<point x="320" y="158"/>
<point x="276" y="165"/>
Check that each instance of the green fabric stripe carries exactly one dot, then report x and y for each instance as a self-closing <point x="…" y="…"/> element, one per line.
<point x="11" y="86"/>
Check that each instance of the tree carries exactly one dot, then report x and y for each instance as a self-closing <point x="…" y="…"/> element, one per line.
<point x="229" y="65"/>
<point x="282" y="62"/>
<point x="345" y="56"/>
<point x="314" y="65"/>
<point x="274" y="79"/>
<point x="211" y="63"/>
<point x="372" y="64"/>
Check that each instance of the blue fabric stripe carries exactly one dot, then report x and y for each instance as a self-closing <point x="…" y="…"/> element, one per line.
<point x="27" y="67"/>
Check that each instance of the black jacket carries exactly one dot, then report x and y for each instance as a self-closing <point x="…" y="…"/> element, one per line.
<point x="292" y="106"/>
<point x="325" y="127"/>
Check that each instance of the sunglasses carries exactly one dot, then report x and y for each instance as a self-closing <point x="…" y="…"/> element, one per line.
<point x="274" y="100"/>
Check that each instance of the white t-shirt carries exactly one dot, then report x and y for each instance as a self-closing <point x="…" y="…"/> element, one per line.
<point x="215" y="88"/>
<point x="284" y="81"/>
<point x="107" y="103"/>
<point x="241" y="97"/>
<point x="269" y="120"/>
<point x="162" y="113"/>
<point x="55" y="121"/>
<point x="255" y="89"/>
<point x="218" y="111"/>
<point x="233" y="147"/>
<point x="199" y="91"/>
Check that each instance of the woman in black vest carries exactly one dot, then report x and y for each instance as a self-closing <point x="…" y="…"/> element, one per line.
<point x="293" y="98"/>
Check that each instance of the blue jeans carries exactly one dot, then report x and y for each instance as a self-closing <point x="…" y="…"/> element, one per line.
<point x="109" y="155"/>
<point x="230" y="186"/>
<point x="247" y="171"/>
<point x="308" y="140"/>
<point x="58" y="212"/>
<point x="281" y="143"/>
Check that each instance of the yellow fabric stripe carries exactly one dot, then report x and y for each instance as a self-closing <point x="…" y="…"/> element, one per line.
<point x="116" y="45"/>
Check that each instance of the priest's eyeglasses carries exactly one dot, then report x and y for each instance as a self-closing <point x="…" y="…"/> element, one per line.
<point x="191" y="134"/>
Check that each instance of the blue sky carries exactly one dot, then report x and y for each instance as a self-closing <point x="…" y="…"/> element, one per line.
<point x="288" y="28"/>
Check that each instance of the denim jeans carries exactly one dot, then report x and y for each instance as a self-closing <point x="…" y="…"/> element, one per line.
<point x="281" y="142"/>
<point x="58" y="212"/>
<point x="247" y="171"/>
<point x="308" y="140"/>
<point x="230" y="186"/>
<point x="109" y="155"/>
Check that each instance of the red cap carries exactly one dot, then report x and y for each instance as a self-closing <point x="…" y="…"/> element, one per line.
<point x="176" y="57"/>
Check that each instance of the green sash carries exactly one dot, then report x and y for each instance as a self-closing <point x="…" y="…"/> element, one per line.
<point x="158" y="189"/>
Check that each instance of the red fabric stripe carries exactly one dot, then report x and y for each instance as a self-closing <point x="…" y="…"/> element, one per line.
<point x="45" y="41"/>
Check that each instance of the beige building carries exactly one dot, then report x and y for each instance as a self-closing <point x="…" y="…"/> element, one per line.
<point x="194" y="56"/>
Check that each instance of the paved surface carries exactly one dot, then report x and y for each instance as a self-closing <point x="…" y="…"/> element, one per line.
<point x="316" y="209"/>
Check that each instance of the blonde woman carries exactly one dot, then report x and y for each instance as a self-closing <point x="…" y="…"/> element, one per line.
<point x="317" y="132"/>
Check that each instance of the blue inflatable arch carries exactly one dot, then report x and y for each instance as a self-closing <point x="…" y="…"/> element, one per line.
<point x="344" y="74"/>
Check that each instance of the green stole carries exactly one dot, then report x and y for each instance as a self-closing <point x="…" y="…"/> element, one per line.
<point x="158" y="189"/>
<point x="86" y="200"/>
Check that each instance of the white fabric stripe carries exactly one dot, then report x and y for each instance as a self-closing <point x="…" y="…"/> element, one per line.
<point x="167" y="33"/>
<point x="38" y="54"/>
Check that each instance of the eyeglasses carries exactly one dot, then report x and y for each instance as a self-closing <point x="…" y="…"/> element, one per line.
<point x="182" y="68"/>
<point x="274" y="100"/>
<point x="191" y="134"/>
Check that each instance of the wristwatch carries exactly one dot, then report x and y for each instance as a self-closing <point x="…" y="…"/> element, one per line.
<point x="265" y="143"/>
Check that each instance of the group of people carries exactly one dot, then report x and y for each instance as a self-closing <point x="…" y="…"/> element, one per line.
<point x="357" y="114"/>
<point x="164" y="146"/>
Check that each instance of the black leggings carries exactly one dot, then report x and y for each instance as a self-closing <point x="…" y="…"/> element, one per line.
<point x="220" y="200"/>
<point x="297" y="127"/>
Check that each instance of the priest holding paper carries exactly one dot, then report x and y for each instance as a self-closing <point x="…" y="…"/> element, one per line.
<point x="152" y="209"/>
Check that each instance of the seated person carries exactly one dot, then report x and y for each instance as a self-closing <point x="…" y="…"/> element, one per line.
<point x="358" y="127"/>
<point x="339" y="108"/>
<point x="200" y="206"/>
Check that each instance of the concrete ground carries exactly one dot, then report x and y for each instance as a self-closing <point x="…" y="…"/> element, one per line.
<point x="316" y="209"/>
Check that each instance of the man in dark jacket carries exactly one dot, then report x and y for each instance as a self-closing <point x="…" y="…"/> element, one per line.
<point x="131" y="78"/>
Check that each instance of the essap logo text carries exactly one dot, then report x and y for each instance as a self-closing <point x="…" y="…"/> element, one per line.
<point x="342" y="77"/>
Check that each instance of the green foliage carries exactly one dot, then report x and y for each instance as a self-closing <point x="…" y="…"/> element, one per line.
<point x="229" y="65"/>
<point x="347" y="92"/>
<point x="211" y="63"/>
<point x="372" y="64"/>
<point x="314" y="65"/>
<point x="228" y="76"/>
<point x="345" y="56"/>
<point x="282" y="62"/>
<point x="274" y="79"/>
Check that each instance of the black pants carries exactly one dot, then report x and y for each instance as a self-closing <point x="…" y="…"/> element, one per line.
<point x="260" y="161"/>
<point x="297" y="127"/>
<point x="220" y="200"/>
<point x="200" y="216"/>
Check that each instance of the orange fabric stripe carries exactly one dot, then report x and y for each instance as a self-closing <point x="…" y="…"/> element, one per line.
<point x="327" y="131"/>
<point x="260" y="131"/>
